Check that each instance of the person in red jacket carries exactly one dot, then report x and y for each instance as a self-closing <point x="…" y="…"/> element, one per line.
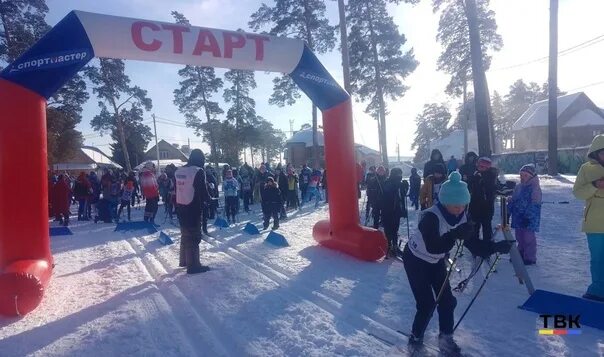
<point x="61" y="197"/>
<point x="150" y="190"/>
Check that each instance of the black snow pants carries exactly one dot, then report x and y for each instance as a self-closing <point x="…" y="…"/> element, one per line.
<point x="426" y="279"/>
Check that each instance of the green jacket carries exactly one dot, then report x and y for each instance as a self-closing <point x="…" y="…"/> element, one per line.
<point x="593" y="221"/>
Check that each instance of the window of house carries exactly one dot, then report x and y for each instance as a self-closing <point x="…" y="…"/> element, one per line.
<point x="163" y="155"/>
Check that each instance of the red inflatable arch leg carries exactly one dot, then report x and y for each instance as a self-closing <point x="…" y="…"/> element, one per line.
<point x="343" y="231"/>
<point x="25" y="258"/>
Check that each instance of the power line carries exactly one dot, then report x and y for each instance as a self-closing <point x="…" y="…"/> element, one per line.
<point x="564" y="52"/>
<point x="587" y="85"/>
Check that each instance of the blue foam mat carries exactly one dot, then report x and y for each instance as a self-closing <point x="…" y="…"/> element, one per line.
<point x="60" y="231"/>
<point x="134" y="226"/>
<point x="547" y="302"/>
<point x="277" y="239"/>
<point x="251" y="229"/>
<point x="221" y="223"/>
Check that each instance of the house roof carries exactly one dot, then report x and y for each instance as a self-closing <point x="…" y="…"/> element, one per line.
<point x="305" y="137"/>
<point x="151" y="153"/>
<point x="99" y="157"/>
<point x="537" y="114"/>
<point x="366" y="150"/>
<point x="585" y="117"/>
<point x="89" y="158"/>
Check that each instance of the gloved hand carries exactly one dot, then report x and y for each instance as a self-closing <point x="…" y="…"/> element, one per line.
<point x="502" y="247"/>
<point x="525" y="222"/>
<point x="463" y="231"/>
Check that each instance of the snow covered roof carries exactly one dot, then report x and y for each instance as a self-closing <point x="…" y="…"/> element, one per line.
<point x="98" y="156"/>
<point x="585" y="117"/>
<point x="305" y="137"/>
<point x="366" y="150"/>
<point x="537" y="114"/>
<point x="453" y="144"/>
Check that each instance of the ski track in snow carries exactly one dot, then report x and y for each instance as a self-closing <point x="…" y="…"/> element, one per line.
<point x="116" y="293"/>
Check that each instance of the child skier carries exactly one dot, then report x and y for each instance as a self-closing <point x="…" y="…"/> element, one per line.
<point x="525" y="209"/>
<point x="440" y="226"/>
<point x="271" y="203"/>
<point x="589" y="186"/>
<point x="375" y="191"/>
<point x="127" y="191"/>
<point x="312" y="190"/>
<point x="230" y="187"/>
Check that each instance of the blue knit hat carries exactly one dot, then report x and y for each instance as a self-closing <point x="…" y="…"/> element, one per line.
<point x="454" y="191"/>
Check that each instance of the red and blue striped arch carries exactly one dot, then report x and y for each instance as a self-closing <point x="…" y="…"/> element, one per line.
<point x="25" y="85"/>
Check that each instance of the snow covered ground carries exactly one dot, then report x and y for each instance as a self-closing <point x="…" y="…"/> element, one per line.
<point x="122" y="294"/>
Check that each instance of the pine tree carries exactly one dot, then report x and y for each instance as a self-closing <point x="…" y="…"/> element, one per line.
<point x="112" y="87"/>
<point x="377" y="62"/>
<point x="138" y="136"/>
<point x="197" y="87"/>
<point x="303" y="19"/>
<point x="63" y="113"/>
<point x="432" y="124"/>
<point x="453" y="34"/>
<point x="22" y="24"/>
<point x="243" y="107"/>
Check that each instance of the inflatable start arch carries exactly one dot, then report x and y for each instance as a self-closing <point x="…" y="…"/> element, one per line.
<point x="25" y="85"/>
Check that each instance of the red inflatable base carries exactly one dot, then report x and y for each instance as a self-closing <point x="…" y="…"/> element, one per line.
<point x="361" y="242"/>
<point x="22" y="286"/>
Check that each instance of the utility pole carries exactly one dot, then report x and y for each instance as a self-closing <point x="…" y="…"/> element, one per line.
<point x="156" y="144"/>
<point x="398" y="152"/>
<point x="553" y="89"/>
<point x="291" y="127"/>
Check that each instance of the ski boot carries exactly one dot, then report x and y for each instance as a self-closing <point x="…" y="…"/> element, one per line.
<point x="198" y="269"/>
<point x="448" y="346"/>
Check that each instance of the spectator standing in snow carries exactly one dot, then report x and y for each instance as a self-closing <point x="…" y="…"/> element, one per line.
<point x="375" y="190"/>
<point x="212" y="205"/>
<point x="191" y="195"/>
<point x="428" y="195"/>
<point x="95" y="194"/>
<point x="469" y="167"/>
<point x="230" y="187"/>
<point x="82" y="190"/>
<point x="483" y="187"/>
<point x="271" y="203"/>
<point x="589" y="186"/>
<point x="415" y="182"/>
<point x="292" y="189"/>
<point x="393" y="208"/>
<point x="304" y="179"/>
<point x="525" y="209"/>
<point x="436" y="159"/>
<point x="246" y="187"/>
<point x="370" y="191"/>
<point x="150" y="190"/>
<point x="61" y="194"/>
<point x="452" y="164"/>
<point x="440" y="227"/>
<point x="283" y="185"/>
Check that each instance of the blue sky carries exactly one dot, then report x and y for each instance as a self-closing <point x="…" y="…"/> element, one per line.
<point x="523" y="25"/>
